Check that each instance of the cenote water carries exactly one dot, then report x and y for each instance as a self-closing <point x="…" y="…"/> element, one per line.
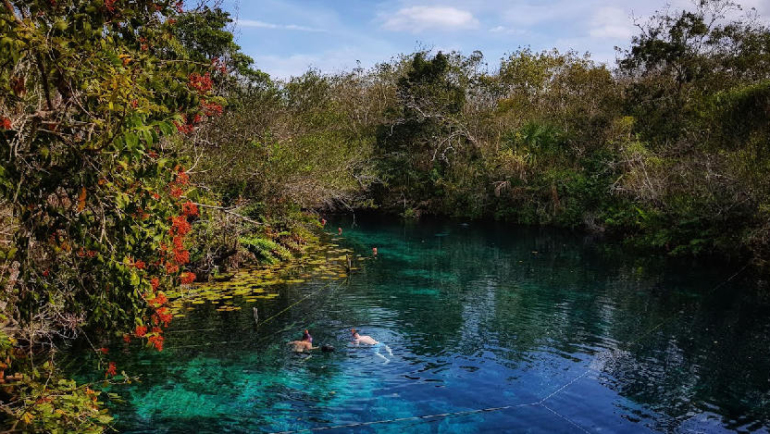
<point x="563" y="334"/>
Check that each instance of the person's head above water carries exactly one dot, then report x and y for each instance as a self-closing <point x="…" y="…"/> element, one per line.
<point x="354" y="333"/>
<point x="306" y="336"/>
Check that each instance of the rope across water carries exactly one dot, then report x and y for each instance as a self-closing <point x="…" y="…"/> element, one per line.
<point x="291" y="306"/>
<point x="541" y="402"/>
<point x="433" y="417"/>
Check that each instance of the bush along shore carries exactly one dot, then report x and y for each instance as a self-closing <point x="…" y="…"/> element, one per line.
<point x="142" y="150"/>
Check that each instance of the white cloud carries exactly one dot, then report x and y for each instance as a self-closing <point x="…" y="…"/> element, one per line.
<point x="416" y="19"/>
<point x="361" y="31"/>
<point x="264" y="25"/>
<point x="611" y="23"/>
<point x="503" y="30"/>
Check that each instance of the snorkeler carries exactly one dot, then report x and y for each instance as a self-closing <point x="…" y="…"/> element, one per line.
<point x="303" y="345"/>
<point x="306" y="344"/>
<point x="368" y="340"/>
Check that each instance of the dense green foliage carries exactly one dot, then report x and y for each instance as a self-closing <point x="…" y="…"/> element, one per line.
<point x="96" y="100"/>
<point x="667" y="151"/>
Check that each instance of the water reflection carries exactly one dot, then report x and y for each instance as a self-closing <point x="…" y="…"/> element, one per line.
<point x="478" y="316"/>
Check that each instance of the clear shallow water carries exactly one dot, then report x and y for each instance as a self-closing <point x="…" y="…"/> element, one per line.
<point x="477" y="316"/>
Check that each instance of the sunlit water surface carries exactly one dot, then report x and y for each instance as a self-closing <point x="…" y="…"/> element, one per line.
<point x="563" y="334"/>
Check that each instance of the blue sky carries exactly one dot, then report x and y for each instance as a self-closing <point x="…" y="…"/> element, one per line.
<point x="286" y="37"/>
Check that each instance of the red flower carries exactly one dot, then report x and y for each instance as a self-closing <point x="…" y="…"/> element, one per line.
<point x="159" y="300"/>
<point x="179" y="225"/>
<point x="157" y="342"/>
<point x="181" y="257"/>
<point x="179" y="243"/>
<point x="110" y="5"/>
<point x="164" y="315"/>
<point x="189" y="209"/>
<point x="184" y="127"/>
<point x="201" y="83"/>
<point x="126" y="338"/>
<point x="104" y="350"/>
<point x="5" y="123"/>
<point x="187" y="278"/>
<point x="112" y="370"/>
<point x="172" y="268"/>
<point x="176" y="192"/>
<point x="140" y="265"/>
<point x="155" y="282"/>
<point x="211" y="109"/>
<point x="182" y="178"/>
<point x="141" y="331"/>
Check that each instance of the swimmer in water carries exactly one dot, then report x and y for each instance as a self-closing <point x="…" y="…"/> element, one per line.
<point x="303" y="345"/>
<point x="368" y="340"/>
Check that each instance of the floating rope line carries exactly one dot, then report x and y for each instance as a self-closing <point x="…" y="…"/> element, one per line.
<point x="193" y="330"/>
<point x="294" y="304"/>
<point x="258" y="325"/>
<point x="433" y="417"/>
<point x="561" y="389"/>
<point x="541" y="402"/>
<point x="429" y="417"/>
<point x="612" y="353"/>
<point x="571" y="422"/>
<point x="676" y="314"/>
<point x="208" y="344"/>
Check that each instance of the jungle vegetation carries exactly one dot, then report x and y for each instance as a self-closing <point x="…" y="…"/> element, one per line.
<point x="143" y="150"/>
<point x="666" y="150"/>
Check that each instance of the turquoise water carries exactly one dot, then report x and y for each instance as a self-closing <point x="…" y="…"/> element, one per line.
<point x="565" y="335"/>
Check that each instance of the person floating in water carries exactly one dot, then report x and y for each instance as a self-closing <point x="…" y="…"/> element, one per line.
<point x="303" y="345"/>
<point x="339" y="231"/>
<point x="368" y="340"/>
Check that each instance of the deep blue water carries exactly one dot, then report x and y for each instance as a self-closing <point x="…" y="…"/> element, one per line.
<point x="565" y="334"/>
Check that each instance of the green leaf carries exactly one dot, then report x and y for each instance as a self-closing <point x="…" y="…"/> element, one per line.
<point x="147" y="135"/>
<point x="166" y="128"/>
<point x="132" y="141"/>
